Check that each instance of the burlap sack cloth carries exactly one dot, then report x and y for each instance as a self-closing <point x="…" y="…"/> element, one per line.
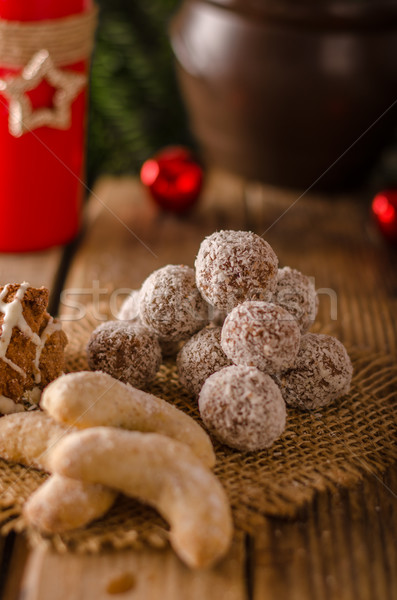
<point x="333" y="446"/>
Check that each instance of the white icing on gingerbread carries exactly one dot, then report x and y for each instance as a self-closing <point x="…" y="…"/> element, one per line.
<point x="51" y="327"/>
<point x="13" y="317"/>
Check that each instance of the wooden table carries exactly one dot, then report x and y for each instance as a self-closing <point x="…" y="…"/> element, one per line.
<point x="343" y="545"/>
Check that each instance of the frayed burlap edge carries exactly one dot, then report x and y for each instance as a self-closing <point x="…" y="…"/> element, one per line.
<point x="320" y="450"/>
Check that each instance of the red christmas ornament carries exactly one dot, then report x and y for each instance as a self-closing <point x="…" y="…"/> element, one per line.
<point x="384" y="212"/>
<point x="173" y="178"/>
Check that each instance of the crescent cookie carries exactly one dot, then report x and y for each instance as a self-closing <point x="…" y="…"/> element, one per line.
<point x="61" y="504"/>
<point x="89" y="399"/>
<point x="161" y="472"/>
<point x="28" y="437"/>
<point x="58" y="505"/>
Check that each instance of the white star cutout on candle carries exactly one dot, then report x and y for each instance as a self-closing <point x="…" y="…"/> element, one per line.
<point x="22" y="116"/>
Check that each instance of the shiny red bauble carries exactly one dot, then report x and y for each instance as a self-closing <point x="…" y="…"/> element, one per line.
<point x="384" y="212"/>
<point x="173" y="178"/>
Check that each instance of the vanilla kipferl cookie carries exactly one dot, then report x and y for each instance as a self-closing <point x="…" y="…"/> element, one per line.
<point x="28" y="437"/>
<point x="233" y="266"/>
<point x="161" y="472"/>
<point x="61" y="504"/>
<point x="89" y="399"/>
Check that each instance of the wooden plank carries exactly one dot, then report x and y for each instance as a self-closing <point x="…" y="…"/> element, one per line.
<point x="3" y="564"/>
<point x="38" y="269"/>
<point x="316" y="557"/>
<point x="15" y="570"/>
<point x="344" y="548"/>
<point x="144" y="575"/>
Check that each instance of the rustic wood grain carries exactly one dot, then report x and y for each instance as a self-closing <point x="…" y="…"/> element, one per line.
<point x="344" y="546"/>
<point x="142" y="575"/>
<point x="3" y="565"/>
<point x="38" y="269"/>
<point x="16" y="562"/>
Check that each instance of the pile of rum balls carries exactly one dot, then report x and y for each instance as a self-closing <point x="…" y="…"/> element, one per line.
<point x="243" y="324"/>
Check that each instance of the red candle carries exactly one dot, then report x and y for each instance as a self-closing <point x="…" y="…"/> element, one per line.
<point x="41" y="171"/>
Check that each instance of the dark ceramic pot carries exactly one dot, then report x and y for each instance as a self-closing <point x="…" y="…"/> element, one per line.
<point x="290" y="92"/>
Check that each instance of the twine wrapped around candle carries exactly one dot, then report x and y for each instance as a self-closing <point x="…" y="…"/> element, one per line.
<point x="67" y="40"/>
